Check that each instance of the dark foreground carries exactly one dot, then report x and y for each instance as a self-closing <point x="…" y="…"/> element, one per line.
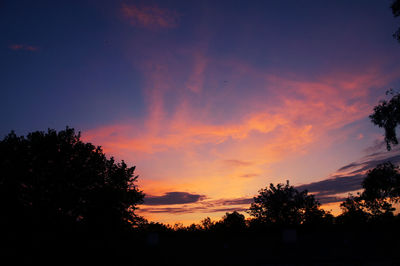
<point x="330" y="245"/>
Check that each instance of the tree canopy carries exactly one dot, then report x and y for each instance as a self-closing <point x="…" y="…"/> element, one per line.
<point x="285" y="205"/>
<point x="233" y="221"/>
<point x="387" y="115"/>
<point x="53" y="179"/>
<point x="381" y="189"/>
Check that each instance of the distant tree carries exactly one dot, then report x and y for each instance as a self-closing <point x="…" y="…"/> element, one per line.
<point x="353" y="211"/>
<point x="54" y="180"/>
<point x="178" y="227"/>
<point x="158" y="227"/>
<point x="233" y="221"/>
<point x="381" y="188"/>
<point x="193" y="228"/>
<point x="285" y="205"/>
<point x="207" y="224"/>
<point x="312" y="213"/>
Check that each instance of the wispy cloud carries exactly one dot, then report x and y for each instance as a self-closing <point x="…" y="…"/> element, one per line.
<point x="201" y="206"/>
<point x="348" y="178"/>
<point x="236" y="163"/>
<point x="248" y="175"/>
<point x="326" y="189"/>
<point x="371" y="161"/>
<point x="191" y="209"/>
<point x="236" y="201"/>
<point x="151" y="17"/>
<point x="171" y="198"/>
<point x="24" y="47"/>
<point x="378" y="146"/>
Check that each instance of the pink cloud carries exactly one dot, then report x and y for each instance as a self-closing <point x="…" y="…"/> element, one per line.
<point x="17" y="47"/>
<point x="303" y="111"/>
<point x="151" y="17"/>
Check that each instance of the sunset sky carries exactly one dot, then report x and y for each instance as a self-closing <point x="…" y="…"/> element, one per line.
<point x="210" y="100"/>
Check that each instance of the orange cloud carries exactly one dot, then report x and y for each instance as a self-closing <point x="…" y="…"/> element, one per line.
<point x="237" y="163"/>
<point x="151" y="17"/>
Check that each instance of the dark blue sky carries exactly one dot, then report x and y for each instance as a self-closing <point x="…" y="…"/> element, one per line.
<point x="80" y="74"/>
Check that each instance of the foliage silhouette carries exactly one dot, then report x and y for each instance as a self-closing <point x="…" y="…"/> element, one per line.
<point x="207" y="224"/>
<point x="54" y="181"/>
<point x="353" y="212"/>
<point x="284" y="205"/>
<point x="387" y="115"/>
<point x="233" y="222"/>
<point x="396" y="12"/>
<point x="381" y="189"/>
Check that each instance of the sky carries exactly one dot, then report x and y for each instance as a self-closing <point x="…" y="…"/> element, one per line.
<point x="210" y="100"/>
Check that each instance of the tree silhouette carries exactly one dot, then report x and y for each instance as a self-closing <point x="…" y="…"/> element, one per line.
<point x="387" y="115"/>
<point x="285" y="205"/>
<point x="207" y="224"/>
<point x="53" y="180"/>
<point x="353" y="211"/>
<point x="381" y="188"/>
<point x="396" y="12"/>
<point x="233" y="221"/>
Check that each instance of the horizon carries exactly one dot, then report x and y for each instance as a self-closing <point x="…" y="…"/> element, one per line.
<point x="210" y="101"/>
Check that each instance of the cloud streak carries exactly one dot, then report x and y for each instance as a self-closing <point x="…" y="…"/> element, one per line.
<point x="348" y="178"/>
<point x="249" y="175"/>
<point x="150" y="17"/>
<point x="201" y="206"/>
<point x="171" y="198"/>
<point x="237" y="163"/>
<point x="23" y="47"/>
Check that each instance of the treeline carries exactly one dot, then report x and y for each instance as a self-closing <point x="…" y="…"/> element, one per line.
<point x="283" y="205"/>
<point x="54" y="180"/>
<point x="62" y="199"/>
